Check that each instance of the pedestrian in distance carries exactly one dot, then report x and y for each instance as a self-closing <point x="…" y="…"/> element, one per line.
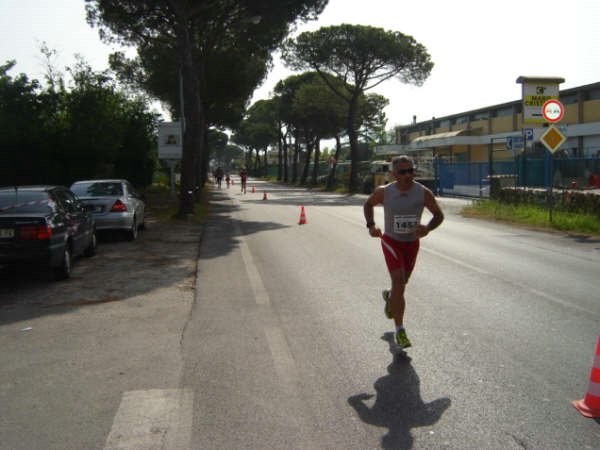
<point x="244" y="178"/>
<point x="227" y="179"/>
<point x="403" y="201"/>
<point x="219" y="176"/>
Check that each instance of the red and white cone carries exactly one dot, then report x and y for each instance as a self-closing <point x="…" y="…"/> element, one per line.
<point x="589" y="406"/>
<point x="302" y="220"/>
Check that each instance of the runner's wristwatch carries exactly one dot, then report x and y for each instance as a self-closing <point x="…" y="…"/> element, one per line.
<point x="370" y="224"/>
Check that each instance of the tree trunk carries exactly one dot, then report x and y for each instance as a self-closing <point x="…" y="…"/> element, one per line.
<point x="353" y="179"/>
<point x="266" y="161"/>
<point x="193" y="135"/>
<point x="338" y="150"/>
<point x="296" y="161"/>
<point x="317" y="158"/>
<point x="204" y="156"/>
<point x="248" y="158"/>
<point x="285" y="158"/>
<point x="280" y="154"/>
<point x="309" y="148"/>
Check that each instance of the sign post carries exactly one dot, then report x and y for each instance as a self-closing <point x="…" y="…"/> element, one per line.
<point x="553" y="111"/>
<point x="169" y="148"/>
<point x="541" y="105"/>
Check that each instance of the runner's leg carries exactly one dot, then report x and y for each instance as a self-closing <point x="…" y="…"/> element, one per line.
<point x="397" y="301"/>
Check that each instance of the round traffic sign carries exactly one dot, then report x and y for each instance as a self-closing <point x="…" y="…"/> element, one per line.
<point x="553" y="110"/>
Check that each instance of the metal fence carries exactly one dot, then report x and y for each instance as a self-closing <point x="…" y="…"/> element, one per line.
<point x="472" y="179"/>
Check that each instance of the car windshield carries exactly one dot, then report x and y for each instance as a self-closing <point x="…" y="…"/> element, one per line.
<point x="15" y="201"/>
<point x="97" y="189"/>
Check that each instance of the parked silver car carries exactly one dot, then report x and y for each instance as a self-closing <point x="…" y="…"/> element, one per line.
<point x="115" y="204"/>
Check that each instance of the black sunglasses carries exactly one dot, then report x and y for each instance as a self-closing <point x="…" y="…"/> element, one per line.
<point x="405" y="171"/>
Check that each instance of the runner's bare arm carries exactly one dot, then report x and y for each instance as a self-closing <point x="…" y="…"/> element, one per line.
<point x="438" y="216"/>
<point x="368" y="208"/>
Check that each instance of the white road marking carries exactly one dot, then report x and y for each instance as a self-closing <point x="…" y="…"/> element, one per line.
<point x="285" y="365"/>
<point x="258" y="288"/>
<point x="552" y="298"/>
<point x="559" y="301"/>
<point x="537" y="292"/>
<point x="156" y="419"/>
<point x="455" y="261"/>
<point x="287" y="373"/>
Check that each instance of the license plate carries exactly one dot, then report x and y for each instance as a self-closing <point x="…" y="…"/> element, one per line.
<point x="6" y="233"/>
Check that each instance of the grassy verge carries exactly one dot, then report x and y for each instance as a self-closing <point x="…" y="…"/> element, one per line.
<point x="164" y="206"/>
<point x="535" y="216"/>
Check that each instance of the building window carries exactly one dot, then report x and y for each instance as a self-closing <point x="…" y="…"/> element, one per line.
<point x="480" y="116"/>
<point x="445" y="123"/>
<point x="569" y="99"/>
<point x="462" y="119"/>
<point x="503" y="112"/>
<point x="594" y="94"/>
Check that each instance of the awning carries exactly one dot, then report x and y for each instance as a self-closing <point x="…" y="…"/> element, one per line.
<point x="430" y="137"/>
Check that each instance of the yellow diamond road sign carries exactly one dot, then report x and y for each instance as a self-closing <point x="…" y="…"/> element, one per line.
<point x="553" y="139"/>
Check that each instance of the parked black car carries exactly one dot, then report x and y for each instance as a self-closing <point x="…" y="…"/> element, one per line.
<point x="45" y="225"/>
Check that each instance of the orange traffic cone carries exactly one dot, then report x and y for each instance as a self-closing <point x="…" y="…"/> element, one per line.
<point x="589" y="406"/>
<point x="302" y="220"/>
<point x="264" y="195"/>
<point x="253" y="190"/>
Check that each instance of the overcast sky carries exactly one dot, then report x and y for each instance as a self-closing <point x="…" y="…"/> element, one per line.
<point x="478" y="48"/>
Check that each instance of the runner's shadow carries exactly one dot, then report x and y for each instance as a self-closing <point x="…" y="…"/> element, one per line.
<point x="398" y="405"/>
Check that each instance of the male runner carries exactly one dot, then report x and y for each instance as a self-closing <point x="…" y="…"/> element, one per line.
<point x="403" y="201"/>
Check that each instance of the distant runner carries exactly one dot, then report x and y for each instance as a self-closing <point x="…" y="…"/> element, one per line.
<point x="219" y="176"/>
<point x="244" y="177"/>
<point x="403" y="201"/>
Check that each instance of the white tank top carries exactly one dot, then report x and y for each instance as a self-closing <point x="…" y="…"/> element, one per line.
<point x="402" y="211"/>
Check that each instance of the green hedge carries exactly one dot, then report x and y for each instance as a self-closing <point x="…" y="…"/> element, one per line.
<point x="571" y="200"/>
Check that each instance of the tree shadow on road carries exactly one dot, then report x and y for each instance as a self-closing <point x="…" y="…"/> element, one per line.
<point x="583" y="239"/>
<point x="398" y="405"/>
<point x="222" y="229"/>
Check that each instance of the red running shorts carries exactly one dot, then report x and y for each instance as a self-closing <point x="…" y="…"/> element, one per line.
<point x="400" y="254"/>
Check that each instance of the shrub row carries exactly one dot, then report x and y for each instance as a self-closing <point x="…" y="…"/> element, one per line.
<point x="570" y="200"/>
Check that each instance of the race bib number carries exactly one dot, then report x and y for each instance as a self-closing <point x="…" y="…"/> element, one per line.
<point x="405" y="224"/>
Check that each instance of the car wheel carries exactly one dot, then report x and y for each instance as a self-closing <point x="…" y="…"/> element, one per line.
<point x="63" y="271"/>
<point x="132" y="233"/>
<point x="91" y="248"/>
<point x="143" y="224"/>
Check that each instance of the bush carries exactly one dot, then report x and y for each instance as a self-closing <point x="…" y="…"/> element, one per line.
<point x="576" y="201"/>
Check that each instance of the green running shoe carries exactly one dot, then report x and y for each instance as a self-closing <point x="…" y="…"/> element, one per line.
<point x="401" y="339"/>
<point x="388" y="308"/>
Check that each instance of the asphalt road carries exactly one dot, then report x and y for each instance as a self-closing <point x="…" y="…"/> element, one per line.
<point x="288" y="346"/>
<point x="271" y="334"/>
